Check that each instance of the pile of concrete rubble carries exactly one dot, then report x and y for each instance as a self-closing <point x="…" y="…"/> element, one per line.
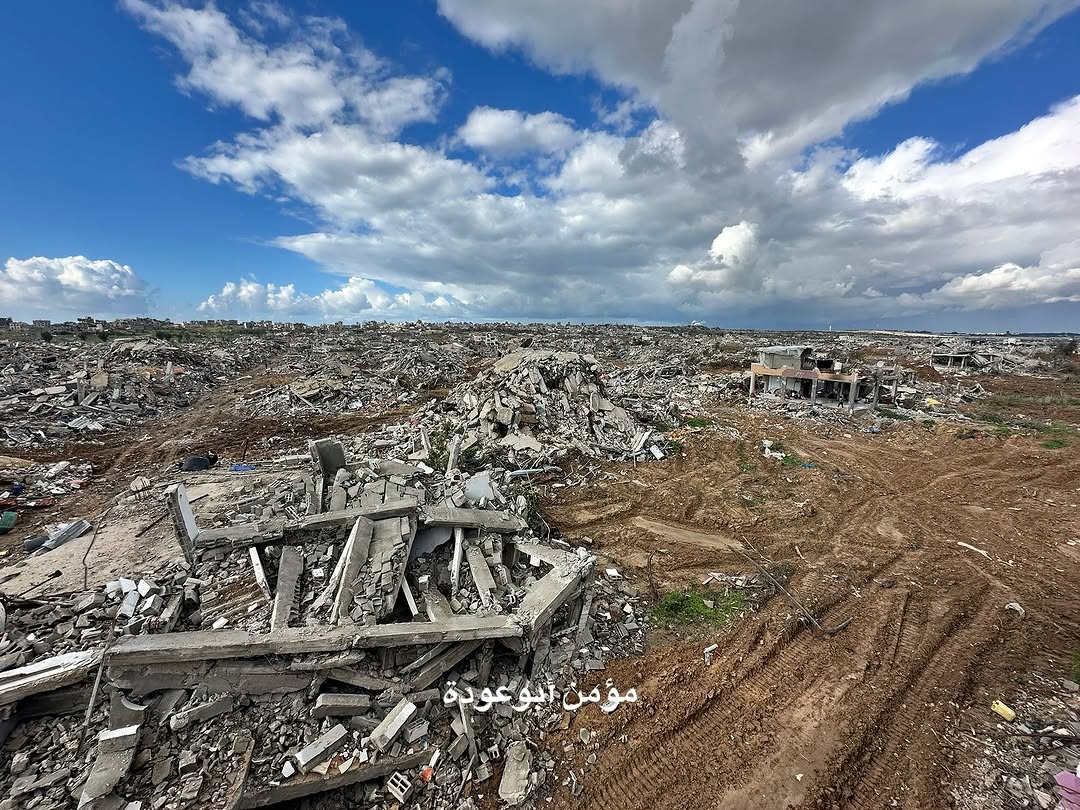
<point x="306" y="646"/>
<point x="346" y="372"/>
<point x="536" y="404"/>
<point x="57" y="393"/>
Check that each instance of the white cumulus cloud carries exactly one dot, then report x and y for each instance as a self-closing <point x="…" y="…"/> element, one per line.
<point x="508" y="133"/>
<point x="47" y="287"/>
<point x="356" y="299"/>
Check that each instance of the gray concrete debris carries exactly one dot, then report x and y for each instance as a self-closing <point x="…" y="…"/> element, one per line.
<point x="514" y="786"/>
<point x="321" y="749"/>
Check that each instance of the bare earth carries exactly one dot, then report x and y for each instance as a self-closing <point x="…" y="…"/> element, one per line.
<point x="786" y="716"/>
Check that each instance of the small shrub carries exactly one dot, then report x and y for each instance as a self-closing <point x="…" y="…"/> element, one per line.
<point x="698" y="422"/>
<point x="1055" y="444"/>
<point x="891" y="414"/>
<point x="688" y="607"/>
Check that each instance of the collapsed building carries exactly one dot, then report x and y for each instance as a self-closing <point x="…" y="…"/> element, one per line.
<point x="51" y="393"/>
<point x="303" y="646"/>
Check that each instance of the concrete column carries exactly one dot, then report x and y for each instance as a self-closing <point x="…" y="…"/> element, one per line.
<point x="183" y="519"/>
<point x="852" y="394"/>
<point x="455" y="566"/>
<point x="588" y="591"/>
<point x="753" y="384"/>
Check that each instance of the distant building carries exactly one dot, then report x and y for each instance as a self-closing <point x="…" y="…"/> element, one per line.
<point x="7" y="323"/>
<point x="796" y="373"/>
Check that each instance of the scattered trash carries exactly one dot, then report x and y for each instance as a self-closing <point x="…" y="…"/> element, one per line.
<point x="1000" y="708"/>
<point x="199" y="463"/>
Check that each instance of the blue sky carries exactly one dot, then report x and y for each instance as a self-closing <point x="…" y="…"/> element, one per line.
<point x="347" y="161"/>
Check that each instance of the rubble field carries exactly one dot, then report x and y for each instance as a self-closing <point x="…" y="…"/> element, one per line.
<point x="392" y="566"/>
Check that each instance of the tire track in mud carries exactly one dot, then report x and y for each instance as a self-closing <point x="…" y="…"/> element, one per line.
<point x="883" y="552"/>
<point x="756" y="689"/>
<point x="885" y="750"/>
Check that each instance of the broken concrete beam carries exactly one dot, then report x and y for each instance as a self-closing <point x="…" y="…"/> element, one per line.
<point x="314" y="783"/>
<point x="399" y="507"/>
<point x="246" y="534"/>
<point x="203" y="711"/>
<point x="115" y="753"/>
<point x="355" y="554"/>
<point x="514" y="786"/>
<point x="256" y="678"/>
<point x="203" y="645"/>
<point x="321" y="749"/>
<point x="329" y="454"/>
<point x="290" y="567"/>
<point x="360" y="680"/>
<point x="47" y="674"/>
<point x="455" y="563"/>
<point x="552" y="556"/>
<point x="452" y="454"/>
<point x="387" y="731"/>
<point x="117" y="739"/>
<point x="183" y="519"/>
<point x="430" y="672"/>
<point x="481" y="574"/>
<point x="549" y="593"/>
<point x="494" y="521"/>
<point x="438" y="649"/>
<point x="339" y="705"/>
<point x="260" y="573"/>
<point x="438" y="606"/>
<point x="407" y="535"/>
<point x="410" y="600"/>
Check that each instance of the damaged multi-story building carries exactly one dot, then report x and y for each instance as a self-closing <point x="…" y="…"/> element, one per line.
<point x="797" y="373"/>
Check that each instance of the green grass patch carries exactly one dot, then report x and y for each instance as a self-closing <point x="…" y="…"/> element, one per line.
<point x="792" y="459"/>
<point x="698" y="422"/>
<point x="929" y="424"/>
<point x="891" y="414"/>
<point x="1076" y="666"/>
<point x="1055" y="444"/>
<point x="746" y="467"/>
<point x="1011" y="400"/>
<point x="689" y="607"/>
<point x="1050" y="429"/>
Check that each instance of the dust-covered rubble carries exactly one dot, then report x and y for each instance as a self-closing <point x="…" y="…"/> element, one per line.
<point x="308" y="645"/>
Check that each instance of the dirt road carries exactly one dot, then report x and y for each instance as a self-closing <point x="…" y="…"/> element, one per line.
<point x="788" y="717"/>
